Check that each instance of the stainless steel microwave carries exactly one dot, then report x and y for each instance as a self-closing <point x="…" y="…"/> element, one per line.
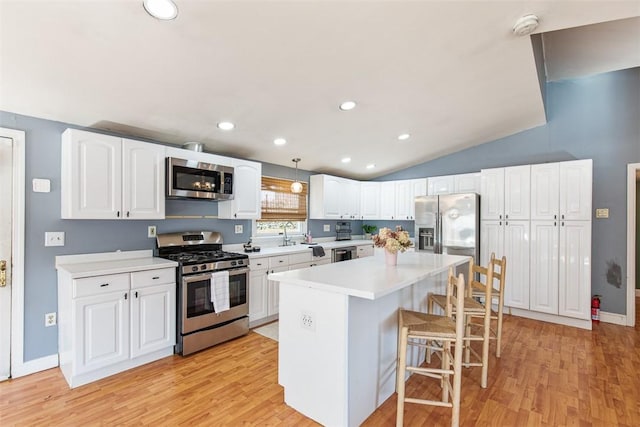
<point x="198" y="180"/>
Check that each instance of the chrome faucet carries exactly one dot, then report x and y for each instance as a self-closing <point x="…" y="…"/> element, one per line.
<point x="286" y="240"/>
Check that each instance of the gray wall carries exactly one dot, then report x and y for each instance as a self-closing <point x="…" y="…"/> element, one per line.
<point x="595" y="118"/>
<point x="637" y="234"/>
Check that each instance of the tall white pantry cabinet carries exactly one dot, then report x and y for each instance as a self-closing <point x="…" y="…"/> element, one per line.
<point x="554" y="240"/>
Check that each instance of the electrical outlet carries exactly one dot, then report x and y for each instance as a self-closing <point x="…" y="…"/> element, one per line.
<point x="151" y="231"/>
<point x="50" y="319"/>
<point x="238" y="228"/>
<point x="54" y="238"/>
<point x="308" y="321"/>
<point x="327" y="227"/>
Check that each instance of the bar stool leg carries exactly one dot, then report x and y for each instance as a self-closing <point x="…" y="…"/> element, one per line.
<point x="401" y="367"/>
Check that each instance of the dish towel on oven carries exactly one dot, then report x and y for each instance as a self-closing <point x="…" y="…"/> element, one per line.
<point x="220" y="291"/>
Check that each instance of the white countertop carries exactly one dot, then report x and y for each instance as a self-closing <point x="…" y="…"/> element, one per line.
<point x="369" y="277"/>
<point x="88" y="265"/>
<point x="285" y="250"/>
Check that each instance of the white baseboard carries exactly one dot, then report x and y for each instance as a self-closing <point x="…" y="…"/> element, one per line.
<point x="33" y="366"/>
<point x="551" y="318"/>
<point x="615" y="318"/>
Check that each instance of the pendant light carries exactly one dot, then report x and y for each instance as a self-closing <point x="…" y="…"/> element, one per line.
<point x="296" y="186"/>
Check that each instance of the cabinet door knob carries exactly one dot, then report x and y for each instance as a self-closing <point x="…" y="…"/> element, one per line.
<point x="127" y="214"/>
<point x="555" y="217"/>
<point x="118" y="214"/>
<point x="136" y="294"/>
<point x="125" y="295"/>
<point x="155" y="277"/>
<point x="104" y="285"/>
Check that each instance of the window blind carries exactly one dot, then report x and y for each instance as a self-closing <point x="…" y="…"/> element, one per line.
<point x="279" y="203"/>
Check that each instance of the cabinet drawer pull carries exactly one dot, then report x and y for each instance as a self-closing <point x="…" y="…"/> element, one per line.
<point x="155" y="277"/>
<point x="104" y="284"/>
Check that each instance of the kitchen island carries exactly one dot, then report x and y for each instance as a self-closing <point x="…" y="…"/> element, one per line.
<point x="338" y="331"/>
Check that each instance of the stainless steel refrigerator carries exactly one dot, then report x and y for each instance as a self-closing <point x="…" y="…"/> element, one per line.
<point x="448" y="224"/>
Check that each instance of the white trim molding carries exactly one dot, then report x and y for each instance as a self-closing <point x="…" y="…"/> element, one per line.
<point x="17" y="248"/>
<point x="615" y="318"/>
<point x="35" y="365"/>
<point x="631" y="243"/>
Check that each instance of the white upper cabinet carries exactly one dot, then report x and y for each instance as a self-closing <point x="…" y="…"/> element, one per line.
<point x="387" y="200"/>
<point x="576" y="189"/>
<point x="143" y="180"/>
<point x="247" y="184"/>
<point x="106" y="177"/>
<point x="370" y="200"/>
<point x="506" y="193"/>
<point x="405" y="193"/>
<point x="332" y="197"/>
<point x="440" y="185"/>
<point x="561" y="191"/>
<point x="451" y="184"/>
<point x="466" y="183"/>
<point x="545" y="191"/>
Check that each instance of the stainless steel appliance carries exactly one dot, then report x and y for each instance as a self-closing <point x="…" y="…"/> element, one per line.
<point x="448" y="224"/>
<point x="344" y="254"/>
<point x="199" y="254"/>
<point x="343" y="230"/>
<point x="198" y="180"/>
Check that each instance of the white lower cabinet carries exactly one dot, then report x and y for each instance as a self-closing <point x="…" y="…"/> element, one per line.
<point x="365" y="251"/>
<point x="561" y="268"/>
<point x="110" y="323"/>
<point x="264" y="294"/>
<point x="511" y="239"/>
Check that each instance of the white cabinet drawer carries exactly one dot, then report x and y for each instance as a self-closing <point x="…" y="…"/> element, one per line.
<point x="100" y="285"/>
<point x="161" y="276"/>
<point x="278" y="261"/>
<point x="257" y="264"/>
<point x="300" y="257"/>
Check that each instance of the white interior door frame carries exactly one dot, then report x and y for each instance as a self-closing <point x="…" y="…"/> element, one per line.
<point x="17" y="243"/>
<point x="631" y="243"/>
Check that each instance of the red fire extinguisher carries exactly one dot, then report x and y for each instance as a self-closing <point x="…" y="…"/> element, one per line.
<point x="595" y="308"/>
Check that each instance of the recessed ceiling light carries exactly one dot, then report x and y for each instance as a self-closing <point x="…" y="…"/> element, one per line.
<point x="348" y="105"/>
<point x="279" y="141"/>
<point x="346" y="159"/>
<point x="161" y="9"/>
<point x="371" y="165"/>
<point x="226" y="125"/>
<point x="404" y="137"/>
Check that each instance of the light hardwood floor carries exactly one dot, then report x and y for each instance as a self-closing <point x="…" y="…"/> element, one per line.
<point x="548" y="375"/>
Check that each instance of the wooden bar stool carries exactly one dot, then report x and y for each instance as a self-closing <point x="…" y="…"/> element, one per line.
<point x="497" y="295"/>
<point x="417" y="328"/>
<point x="473" y="309"/>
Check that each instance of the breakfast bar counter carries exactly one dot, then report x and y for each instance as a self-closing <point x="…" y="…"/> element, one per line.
<point x="338" y="331"/>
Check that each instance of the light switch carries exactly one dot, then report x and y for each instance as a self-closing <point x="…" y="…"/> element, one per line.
<point x="41" y="185"/>
<point x="602" y="213"/>
<point x="54" y="238"/>
<point x="238" y="228"/>
<point x="327" y="227"/>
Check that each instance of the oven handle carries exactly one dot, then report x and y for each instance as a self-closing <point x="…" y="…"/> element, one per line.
<point x="205" y="276"/>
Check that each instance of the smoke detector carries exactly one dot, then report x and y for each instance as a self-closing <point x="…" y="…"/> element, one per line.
<point x="525" y="25"/>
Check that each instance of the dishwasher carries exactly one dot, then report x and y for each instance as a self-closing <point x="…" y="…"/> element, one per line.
<point x="344" y="254"/>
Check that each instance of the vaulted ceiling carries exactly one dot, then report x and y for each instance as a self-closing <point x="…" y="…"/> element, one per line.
<point x="450" y="73"/>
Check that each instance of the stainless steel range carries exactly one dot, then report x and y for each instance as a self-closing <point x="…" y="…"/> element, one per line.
<point x="199" y="255"/>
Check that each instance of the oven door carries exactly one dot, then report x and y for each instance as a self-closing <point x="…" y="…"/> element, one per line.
<point x="197" y="308"/>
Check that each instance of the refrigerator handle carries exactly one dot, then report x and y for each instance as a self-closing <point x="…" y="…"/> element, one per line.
<point x="438" y="235"/>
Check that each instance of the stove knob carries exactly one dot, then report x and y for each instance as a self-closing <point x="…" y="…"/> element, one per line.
<point x="194" y="268"/>
<point x="240" y="262"/>
<point x="233" y="263"/>
<point x="203" y="267"/>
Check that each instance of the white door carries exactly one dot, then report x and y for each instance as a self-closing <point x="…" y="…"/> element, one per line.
<point x="575" y="269"/>
<point x="466" y="183"/>
<point x="491" y="240"/>
<point x="273" y="304"/>
<point x="492" y="193"/>
<point x="517" y="192"/>
<point x="370" y="200"/>
<point x="575" y="189"/>
<point x="101" y="331"/>
<point x="544" y="266"/>
<point x="516" y="249"/>
<point x="6" y="175"/>
<point x="258" y="295"/>
<point x="143" y="180"/>
<point x="404" y="199"/>
<point x="153" y="318"/>
<point x="388" y="200"/>
<point x="333" y="192"/>
<point x="545" y="195"/>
